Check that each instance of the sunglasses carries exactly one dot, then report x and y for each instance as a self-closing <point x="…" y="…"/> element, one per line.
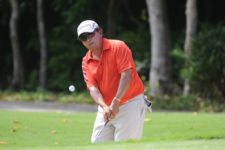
<point x="83" y="37"/>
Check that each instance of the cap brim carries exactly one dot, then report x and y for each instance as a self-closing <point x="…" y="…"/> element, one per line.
<point x="85" y="31"/>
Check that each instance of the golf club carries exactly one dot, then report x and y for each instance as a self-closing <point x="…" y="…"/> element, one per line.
<point x="102" y="128"/>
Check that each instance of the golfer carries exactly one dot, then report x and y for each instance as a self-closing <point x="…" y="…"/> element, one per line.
<point x="111" y="77"/>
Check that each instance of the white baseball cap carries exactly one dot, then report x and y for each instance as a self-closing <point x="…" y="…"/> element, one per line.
<point x="87" y="26"/>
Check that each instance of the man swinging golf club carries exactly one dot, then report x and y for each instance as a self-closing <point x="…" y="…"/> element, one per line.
<point x="111" y="77"/>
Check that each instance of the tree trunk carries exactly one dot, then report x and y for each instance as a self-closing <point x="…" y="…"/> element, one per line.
<point x="111" y="18"/>
<point x="18" y="75"/>
<point x="160" y="46"/>
<point x="191" y="27"/>
<point x="43" y="45"/>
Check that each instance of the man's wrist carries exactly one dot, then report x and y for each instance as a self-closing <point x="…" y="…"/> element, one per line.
<point x="116" y="99"/>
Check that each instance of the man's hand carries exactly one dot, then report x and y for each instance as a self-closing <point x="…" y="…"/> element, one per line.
<point x="114" y="107"/>
<point x="107" y="113"/>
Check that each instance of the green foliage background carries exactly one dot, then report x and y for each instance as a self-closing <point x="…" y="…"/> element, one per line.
<point x="205" y="68"/>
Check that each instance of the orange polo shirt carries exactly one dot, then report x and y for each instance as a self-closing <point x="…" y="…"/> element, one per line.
<point x="105" y="74"/>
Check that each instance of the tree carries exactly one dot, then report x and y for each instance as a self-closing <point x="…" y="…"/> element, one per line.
<point x="43" y="45"/>
<point x="160" y="46"/>
<point x="191" y="28"/>
<point x="18" y="74"/>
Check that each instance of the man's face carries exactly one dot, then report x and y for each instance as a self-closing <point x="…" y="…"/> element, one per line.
<point x="92" y="40"/>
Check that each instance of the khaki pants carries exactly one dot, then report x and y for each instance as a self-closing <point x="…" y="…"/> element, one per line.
<point x="128" y="124"/>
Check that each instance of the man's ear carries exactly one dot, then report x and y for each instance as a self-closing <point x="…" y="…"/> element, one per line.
<point x="101" y="31"/>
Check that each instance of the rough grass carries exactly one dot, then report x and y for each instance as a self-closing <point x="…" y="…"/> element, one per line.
<point x="179" y="103"/>
<point x="71" y="131"/>
<point x="67" y="97"/>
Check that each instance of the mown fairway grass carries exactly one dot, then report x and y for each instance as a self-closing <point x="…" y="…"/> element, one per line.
<point x="71" y="131"/>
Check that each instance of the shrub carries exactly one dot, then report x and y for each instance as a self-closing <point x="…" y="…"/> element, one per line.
<point x="207" y="62"/>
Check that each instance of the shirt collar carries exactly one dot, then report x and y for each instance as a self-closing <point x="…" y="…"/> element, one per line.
<point x="106" y="46"/>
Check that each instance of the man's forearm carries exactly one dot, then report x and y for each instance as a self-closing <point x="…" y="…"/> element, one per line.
<point x="124" y="83"/>
<point x="97" y="96"/>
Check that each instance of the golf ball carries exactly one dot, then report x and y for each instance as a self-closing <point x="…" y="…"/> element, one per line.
<point x="72" y="88"/>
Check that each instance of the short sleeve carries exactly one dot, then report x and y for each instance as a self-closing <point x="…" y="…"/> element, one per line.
<point x="88" y="77"/>
<point x="124" y="58"/>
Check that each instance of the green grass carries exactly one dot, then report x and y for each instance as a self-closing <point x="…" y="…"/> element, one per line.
<point x="71" y="131"/>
